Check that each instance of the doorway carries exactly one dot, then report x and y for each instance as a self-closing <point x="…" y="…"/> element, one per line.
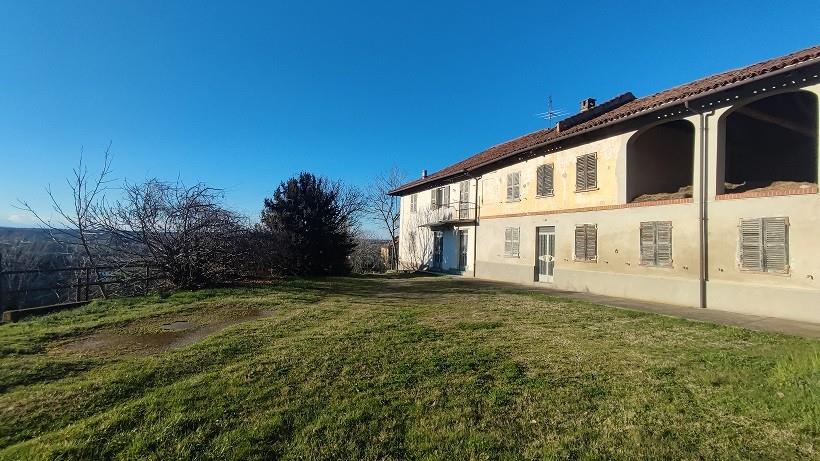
<point x="438" y="250"/>
<point x="463" y="243"/>
<point x="545" y="253"/>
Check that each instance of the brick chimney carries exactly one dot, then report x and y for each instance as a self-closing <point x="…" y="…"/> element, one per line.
<point x="587" y="104"/>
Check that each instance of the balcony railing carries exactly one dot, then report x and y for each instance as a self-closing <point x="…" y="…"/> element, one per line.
<point x="451" y="214"/>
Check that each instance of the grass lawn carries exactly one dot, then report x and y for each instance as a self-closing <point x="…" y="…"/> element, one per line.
<point x="398" y="368"/>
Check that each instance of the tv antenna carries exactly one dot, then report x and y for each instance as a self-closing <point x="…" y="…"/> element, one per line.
<point x="552" y="112"/>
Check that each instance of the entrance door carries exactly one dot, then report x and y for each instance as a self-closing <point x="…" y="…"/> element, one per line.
<point x="545" y="253"/>
<point x="438" y="250"/>
<point x="463" y="241"/>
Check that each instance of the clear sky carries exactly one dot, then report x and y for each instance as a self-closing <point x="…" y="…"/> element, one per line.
<point x="242" y="95"/>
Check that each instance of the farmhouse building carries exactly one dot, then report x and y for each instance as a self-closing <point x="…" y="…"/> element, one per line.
<point x="703" y="195"/>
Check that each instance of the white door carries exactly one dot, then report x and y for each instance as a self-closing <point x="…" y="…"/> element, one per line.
<point x="545" y="253"/>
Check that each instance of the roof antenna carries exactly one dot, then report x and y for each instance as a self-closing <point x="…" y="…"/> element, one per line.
<point x="551" y="112"/>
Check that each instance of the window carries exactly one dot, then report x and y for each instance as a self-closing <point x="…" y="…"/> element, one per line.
<point x="764" y="244"/>
<point x="512" y="242"/>
<point x="586" y="242"/>
<point x="413" y="203"/>
<point x="544" y="180"/>
<point x="656" y="243"/>
<point x="440" y="197"/>
<point x="513" y="186"/>
<point x="586" y="172"/>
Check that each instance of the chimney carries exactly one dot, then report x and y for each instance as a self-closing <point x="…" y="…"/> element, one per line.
<point x="587" y="104"/>
<point x="423" y="174"/>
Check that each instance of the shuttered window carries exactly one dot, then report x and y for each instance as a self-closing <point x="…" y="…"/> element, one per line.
<point x="586" y="242"/>
<point x="513" y="186"/>
<point x="764" y="244"/>
<point x="586" y="172"/>
<point x="656" y="243"/>
<point x="512" y="242"/>
<point x="440" y="197"/>
<point x="544" y="180"/>
<point x="413" y="203"/>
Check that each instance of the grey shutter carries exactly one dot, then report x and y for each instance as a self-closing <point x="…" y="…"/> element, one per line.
<point x="663" y="243"/>
<point x="445" y="196"/>
<point x="540" y="190"/>
<point x="516" y="241"/>
<point x="591" y="171"/>
<point x="775" y="241"/>
<point x="516" y="186"/>
<point x="508" y="241"/>
<point x="751" y="244"/>
<point x="580" y="243"/>
<point x="509" y="187"/>
<point x="580" y="173"/>
<point x="549" y="174"/>
<point x="591" y="242"/>
<point x="648" y="243"/>
<point x="433" y="203"/>
<point x="544" y="180"/>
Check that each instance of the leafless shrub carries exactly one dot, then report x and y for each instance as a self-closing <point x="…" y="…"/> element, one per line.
<point x="184" y="231"/>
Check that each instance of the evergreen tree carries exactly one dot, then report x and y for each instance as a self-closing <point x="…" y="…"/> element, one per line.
<point x="310" y="221"/>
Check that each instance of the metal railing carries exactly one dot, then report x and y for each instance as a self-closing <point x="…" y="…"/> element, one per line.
<point x="453" y="213"/>
<point x="72" y="284"/>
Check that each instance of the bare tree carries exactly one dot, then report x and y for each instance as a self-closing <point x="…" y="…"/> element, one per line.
<point x="384" y="208"/>
<point x="182" y="230"/>
<point x="75" y="224"/>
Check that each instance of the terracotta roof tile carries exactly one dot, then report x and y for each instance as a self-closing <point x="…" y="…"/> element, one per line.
<point x="621" y="108"/>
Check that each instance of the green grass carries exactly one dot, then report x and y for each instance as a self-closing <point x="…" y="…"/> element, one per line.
<point x="391" y="368"/>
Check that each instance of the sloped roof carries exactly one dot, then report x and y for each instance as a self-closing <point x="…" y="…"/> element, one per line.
<point x="621" y="108"/>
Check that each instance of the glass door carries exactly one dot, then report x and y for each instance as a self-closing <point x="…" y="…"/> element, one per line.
<point x="545" y="253"/>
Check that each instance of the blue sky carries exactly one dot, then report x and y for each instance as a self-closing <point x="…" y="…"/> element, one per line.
<point x="242" y="95"/>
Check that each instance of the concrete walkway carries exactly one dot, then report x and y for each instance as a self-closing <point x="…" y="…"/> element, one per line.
<point x="752" y="322"/>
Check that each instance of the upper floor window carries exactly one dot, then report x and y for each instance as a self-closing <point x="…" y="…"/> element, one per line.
<point x="440" y="197"/>
<point x="656" y="243"/>
<point x="586" y="242"/>
<point x="764" y="244"/>
<point x="512" y="241"/>
<point x="586" y="172"/>
<point x="513" y="186"/>
<point x="413" y="203"/>
<point x="544" y="179"/>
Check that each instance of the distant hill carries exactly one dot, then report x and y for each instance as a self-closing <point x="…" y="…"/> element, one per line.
<point x="23" y="249"/>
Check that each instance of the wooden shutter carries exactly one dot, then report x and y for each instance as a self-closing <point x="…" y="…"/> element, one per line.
<point x="445" y="194"/>
<point x="591" y="242"/>
<point x="751" y="244"/>
<point x="433" y="202"/>
<point x="516" y="241"/>
<point x="580" y="243"/>
<point x="648" y="243"/>
<point x="509" y="187"/>
<point x="591" y="171"/>
<point x="544" y="180"/>
<point x="516" y="186"/>
<point x="508" y="241"/>
<point x="580" y="173"/>
<point x="775" y="244"/>
<point x="663" y="243"/>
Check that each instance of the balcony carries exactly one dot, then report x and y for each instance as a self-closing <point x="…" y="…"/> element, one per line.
<point x="449" y="215"/>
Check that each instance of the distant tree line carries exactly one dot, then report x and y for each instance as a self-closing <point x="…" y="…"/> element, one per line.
<point x="310" y="226"/>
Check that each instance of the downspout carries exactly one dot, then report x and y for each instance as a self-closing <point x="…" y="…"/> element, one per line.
<point x="703" y="215"/>
<point x="475" y="231"/>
